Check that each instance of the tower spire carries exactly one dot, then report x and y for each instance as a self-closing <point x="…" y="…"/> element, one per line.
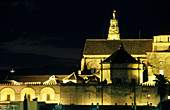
<point x="114" y="29"/>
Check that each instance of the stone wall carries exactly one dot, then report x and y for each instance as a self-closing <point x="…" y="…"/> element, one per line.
<point x="112" y="94"/>
<point x="86" y="94"/>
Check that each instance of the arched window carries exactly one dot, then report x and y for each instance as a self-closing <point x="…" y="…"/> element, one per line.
<point x="30" y="94"/>
<point x="7" y="94"/>
<point x="47" y="94"/>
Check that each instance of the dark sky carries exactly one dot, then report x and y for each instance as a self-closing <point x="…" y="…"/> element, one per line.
<point x="37" y="33"/>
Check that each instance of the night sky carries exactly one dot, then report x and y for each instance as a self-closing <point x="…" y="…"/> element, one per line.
<point x="52" y="33"/>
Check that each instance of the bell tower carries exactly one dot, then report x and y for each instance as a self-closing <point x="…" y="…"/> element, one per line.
<point x="113" y="29"/>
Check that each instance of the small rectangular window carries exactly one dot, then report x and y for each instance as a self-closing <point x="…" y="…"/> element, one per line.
<point x="168" y="97"/>
<point x="48" y="97"/>
<point x="8" y="97"/>
<point x="89" y="96"/>
<point x="161" y="72"/>
<point x="168" y="39"/>
<point x="28" y="97"/>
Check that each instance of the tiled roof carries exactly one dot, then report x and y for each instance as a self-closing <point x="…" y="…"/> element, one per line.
<point x="120" y="56"/>
<point x="93" y="79"/>
<point x="107" y="47"/>
<point x="34" y="78"/>
<point x="71" y="77"/>
<point x="41" y="78"/>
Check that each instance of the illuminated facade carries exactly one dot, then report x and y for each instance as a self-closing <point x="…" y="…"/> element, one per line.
<point x="153" y="55"/>
<point x="114" y="29"/>
<point x="117" y="63"/>
<point x="79" y="94"/>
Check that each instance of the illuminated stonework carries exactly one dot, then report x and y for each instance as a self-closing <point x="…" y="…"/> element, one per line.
<point x="29" y="92"/>
<point x="47" y="94"/>
<point x="109" y="67"/>
<point x="85" y="94"/>
<point x="52" y="81"/>
<point x="161" y="43"/>
<point x="7" y="94"/>
<point x="70" y="78"/>
<point x="114" y="29"/>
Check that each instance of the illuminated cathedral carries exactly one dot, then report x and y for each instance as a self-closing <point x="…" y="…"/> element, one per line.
<point x="109" y="70"/>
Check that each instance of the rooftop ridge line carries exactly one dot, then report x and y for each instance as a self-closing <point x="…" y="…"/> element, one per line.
<point x="119" y="40"/>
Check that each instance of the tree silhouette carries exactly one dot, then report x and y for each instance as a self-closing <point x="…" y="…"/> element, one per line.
<point x="161" y="83"/>
<point x="25" y="103"/>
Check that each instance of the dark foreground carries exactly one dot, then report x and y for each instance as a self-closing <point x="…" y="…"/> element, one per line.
<point x="94" y="107"/>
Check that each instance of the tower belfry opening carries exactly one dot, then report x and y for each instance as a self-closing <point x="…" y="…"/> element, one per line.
<point x="114" y="29"/>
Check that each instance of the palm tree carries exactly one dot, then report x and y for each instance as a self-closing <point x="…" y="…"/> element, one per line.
<point x="161" y="83"/>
